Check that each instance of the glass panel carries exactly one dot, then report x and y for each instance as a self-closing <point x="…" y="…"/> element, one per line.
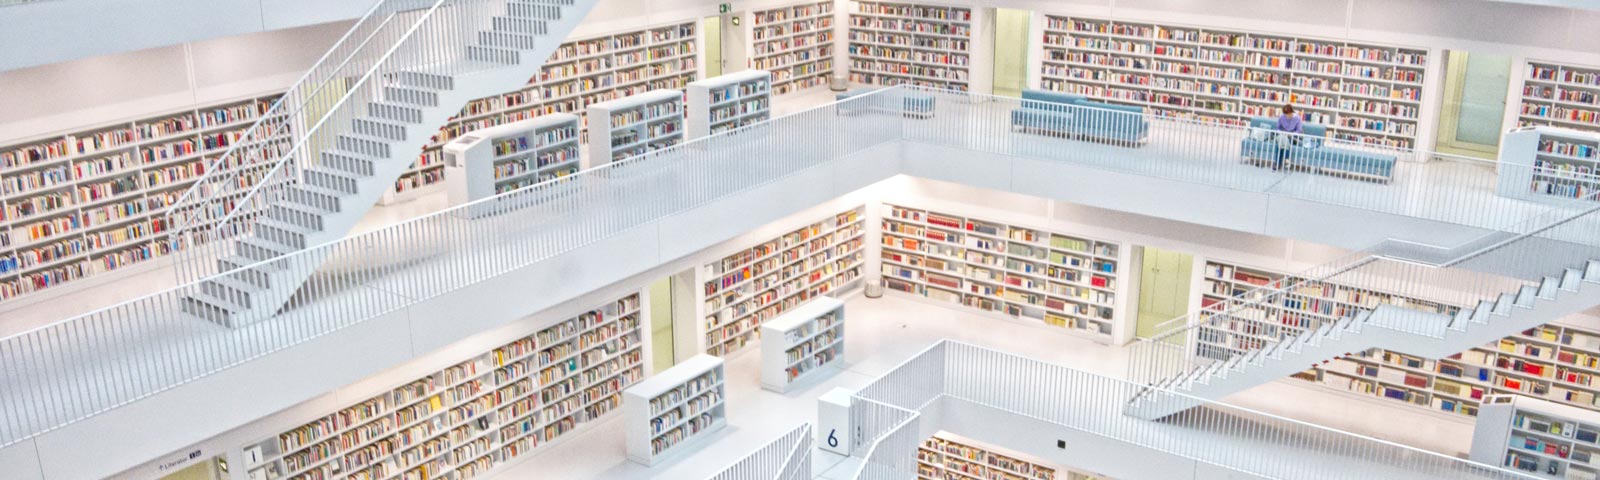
<point x="1483" y="99"/>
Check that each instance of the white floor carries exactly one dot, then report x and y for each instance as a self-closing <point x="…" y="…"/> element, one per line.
<point x="880" y="334"/>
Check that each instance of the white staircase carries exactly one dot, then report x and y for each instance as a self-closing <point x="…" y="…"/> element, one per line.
<point x="342" y="161"/>
<point x="1387" y="327"/>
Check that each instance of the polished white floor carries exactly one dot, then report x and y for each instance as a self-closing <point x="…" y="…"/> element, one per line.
<point x="882" y="333"/>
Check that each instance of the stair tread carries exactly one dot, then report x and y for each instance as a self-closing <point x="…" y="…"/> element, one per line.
<point x="269" y="245"/>
<point x="282" y="225"/>
<point x="216" y="301"/>
<point x="317" y="189"/>
<point x="450" y="68"/>
<point x="236" y="284"/>
<point x="240" y="261"/>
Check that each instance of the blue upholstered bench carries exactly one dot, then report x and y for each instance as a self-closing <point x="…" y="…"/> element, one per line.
<point x="1313" y="153"/>
<point x="1075" y="115"/>
<point x="917" y="104"/>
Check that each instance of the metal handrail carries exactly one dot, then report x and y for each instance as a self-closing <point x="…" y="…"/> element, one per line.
<point x="1041" y="391"/>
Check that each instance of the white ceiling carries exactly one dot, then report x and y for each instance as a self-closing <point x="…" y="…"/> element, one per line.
<point x="1583" y="4"/>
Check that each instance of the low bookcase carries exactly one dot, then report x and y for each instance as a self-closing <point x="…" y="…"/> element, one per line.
<point x="803" y="344"/>
<point x="668" y="414"/>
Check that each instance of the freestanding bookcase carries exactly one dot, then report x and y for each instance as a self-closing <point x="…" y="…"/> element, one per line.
<point x="634" y="125"/>
<point x="669" y="413"/>
<point x="803" y="344"/>
<point x="1538" y="437"/>
<point x="729" y="101"/>
<point x="1549" y="164"/>
<point x="511" y="156"/>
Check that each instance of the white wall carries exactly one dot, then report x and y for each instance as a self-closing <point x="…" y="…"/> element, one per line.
<point x="169" y="56"/>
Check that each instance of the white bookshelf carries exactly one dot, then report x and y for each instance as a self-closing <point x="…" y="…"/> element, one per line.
<point x="1365" y="93"/>
<point x="1560" y="95"/>
<point x="672" y="412"/>
<point x="1537" y="437"/>
<point x="635" y="125"/>
<point x="893" y="43"/>
<point x="795" y="43"/>
<point x="93" y="201"/>
<point x="1550" y="164"/>
<point x="471" y="417"/>
<point x="947" y="456"/>
<point x="1060" y="280"/>
<point x="749" y="287"/>
<point x="582" y="72"/>
<point x="802" y="344"/>
<point x="726" y="102"/>
<point x="508" y="157"/>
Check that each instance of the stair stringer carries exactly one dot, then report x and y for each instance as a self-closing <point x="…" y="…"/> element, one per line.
<point x="1387" y="327"/>
<point x="285" y="275"/>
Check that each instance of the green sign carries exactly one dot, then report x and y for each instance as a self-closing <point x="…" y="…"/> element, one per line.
<point x="724" y="8"/>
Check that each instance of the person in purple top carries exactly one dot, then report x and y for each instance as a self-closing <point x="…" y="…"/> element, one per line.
<point x="1288" y="122"/>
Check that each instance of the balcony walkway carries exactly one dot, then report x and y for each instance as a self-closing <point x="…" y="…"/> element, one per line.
<point x="86" y="365"/>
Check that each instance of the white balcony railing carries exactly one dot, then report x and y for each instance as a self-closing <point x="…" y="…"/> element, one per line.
<point x="786" y="458"/>
<point x="885" y="415"/>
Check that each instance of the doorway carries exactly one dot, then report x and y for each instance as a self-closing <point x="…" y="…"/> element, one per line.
<point x="674" y="336"/>
<point x="1164" y="283"/>
<point x="711" y="31"/>
<point x="1471" y="117"/>
<point x="661" y="324"/>
<point x="1011" y="49"/>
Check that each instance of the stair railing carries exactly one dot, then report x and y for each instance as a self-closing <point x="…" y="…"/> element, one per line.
<point x="950" y="379"/>
<point x="259" y="164"/>
<point x="1435" y="285"/>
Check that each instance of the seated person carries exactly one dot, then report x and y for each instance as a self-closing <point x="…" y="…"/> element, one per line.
<point x="1289" y="123"/>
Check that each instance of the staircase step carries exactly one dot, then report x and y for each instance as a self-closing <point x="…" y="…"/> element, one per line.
<point x="411" y="95"/>
<point x="1526" y="295"/>
<point x="232" y="291"/>
<point x="210" y="308"/>
<point x="297" y="214"/>
<point x="1502" y="306"/>
<point x="1572" y="280"/>
<point x="515" y="41"/>
<point x="336" y="180"/>
<point x="1592" y="271"/>
<point x="260" y="249"/>
<point x="1548" y="288"/>
<point x="258" y="274"/>
<point x="534" y="10"/>
<point x="314" y="197"/>
<point x="1460" y="320"/>
<point x="379" y="128"/>
<point x="521" y="25"/>
<point x="423" y="79"/>
<point x="395" y="111"/>
<point x="363" y="144"/>
<point x="351" y="162"/>
<point x="508" y="56"/>
<point x="1480" y="314"/>
<point x="285" y="233"/>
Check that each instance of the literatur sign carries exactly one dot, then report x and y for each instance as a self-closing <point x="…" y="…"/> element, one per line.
<point x="175" y="463"/>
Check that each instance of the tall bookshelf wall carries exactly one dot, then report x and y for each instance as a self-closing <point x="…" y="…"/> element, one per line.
<point x="1560" y="95"/>
<point x="1555" y="362"/>
<point x="795" y="43"/>
<point x="893" y="43"/>
<point x="94" y="201"/>
<point x="747" y="288"/>
<point x="946" y="456"/>
<point x="462" y="421"/>
<point x="581" y="72"/>
<point x="1061" y="280"/>
<point x="1364" y="93"/>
